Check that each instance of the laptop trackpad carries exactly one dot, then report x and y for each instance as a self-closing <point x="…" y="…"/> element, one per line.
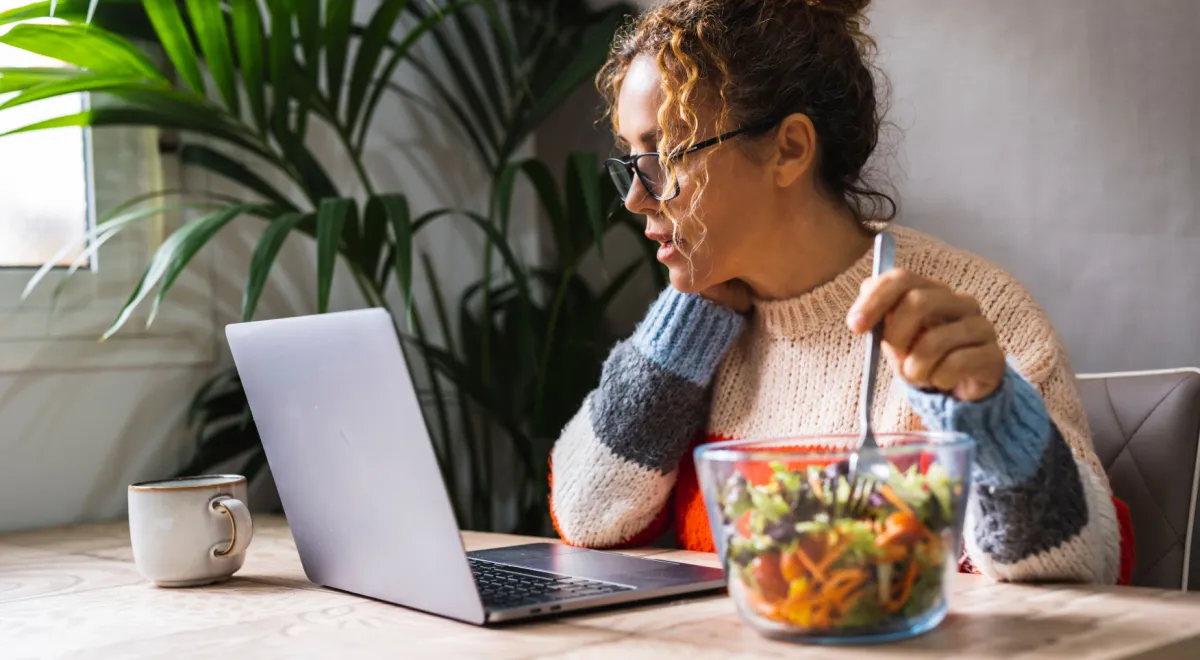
<point x="596" y="565"/>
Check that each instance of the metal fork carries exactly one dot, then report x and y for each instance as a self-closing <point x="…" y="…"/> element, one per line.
<point x="857" y="501"/>
<point x="868" y="462"/>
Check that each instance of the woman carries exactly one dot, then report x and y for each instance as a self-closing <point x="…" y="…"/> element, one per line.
<point x="767" y="113"/>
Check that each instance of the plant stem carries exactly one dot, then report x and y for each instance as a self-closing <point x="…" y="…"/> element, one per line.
<point x="468" y="428"/>
<point x="548" y="341"/>
<point x="366" y="287"/>
<point x="485" y="338"/>
<point x="358" y="166"/>
<point x="330" y="117"/>
<point x="485" y="330"/>
<point x="488" y="471"/>
<point x="354" y="155"/>
<point x="442" y="449"/>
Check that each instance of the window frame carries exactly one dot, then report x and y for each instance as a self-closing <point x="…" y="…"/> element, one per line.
<point x="39" y="333"/>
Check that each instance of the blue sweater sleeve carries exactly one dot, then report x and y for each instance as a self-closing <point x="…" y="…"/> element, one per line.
<point x="687" y="335"/>
<point x="1011" y="428"/>
<point x="1029" y="511"/>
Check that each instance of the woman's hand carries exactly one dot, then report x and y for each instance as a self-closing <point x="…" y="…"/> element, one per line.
<point x="734" y="294"/>
<point x="933" y="337"/>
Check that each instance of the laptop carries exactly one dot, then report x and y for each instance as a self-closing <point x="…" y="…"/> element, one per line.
<point x="356" y="472"/>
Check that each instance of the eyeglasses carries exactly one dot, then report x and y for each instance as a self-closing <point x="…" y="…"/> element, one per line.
<point x="647" y="168"/>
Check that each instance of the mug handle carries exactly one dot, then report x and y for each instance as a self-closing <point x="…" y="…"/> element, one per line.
<point x="239" y="519"/>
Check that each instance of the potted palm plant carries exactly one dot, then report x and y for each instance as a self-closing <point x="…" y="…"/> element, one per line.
<point x="242" y="94"/>
<point x="244" y="84"/>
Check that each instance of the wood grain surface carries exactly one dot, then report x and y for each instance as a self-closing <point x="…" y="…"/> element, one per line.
<point x="74" y="592"/>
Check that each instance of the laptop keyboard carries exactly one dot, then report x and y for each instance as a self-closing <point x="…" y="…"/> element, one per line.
<point x="502" y="586"/>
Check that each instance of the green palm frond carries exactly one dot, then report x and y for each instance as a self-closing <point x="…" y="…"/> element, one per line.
<point x="241" y="81"/>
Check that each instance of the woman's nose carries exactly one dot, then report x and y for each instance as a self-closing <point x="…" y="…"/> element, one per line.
<point x="639" y="201"/>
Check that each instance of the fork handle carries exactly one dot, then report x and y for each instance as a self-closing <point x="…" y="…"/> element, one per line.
<point x="884" y="259"/>
<point x="868" y="384"/>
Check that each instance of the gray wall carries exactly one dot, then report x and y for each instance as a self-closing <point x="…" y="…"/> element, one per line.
<point x="1059" y="139"/>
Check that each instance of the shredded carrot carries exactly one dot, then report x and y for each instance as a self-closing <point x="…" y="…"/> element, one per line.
<point x="819" y="605"/>
<point x="906" y="590"/>
<point x="900" y="527"/>
<point x="849" y="600"/>
<point x="802" y="599"/>
<point x="820" y="616"/>
<point x="833" y="554"/>
<point x="893" y="553"/>
<point x="845" y="575"/>
<point x="887" y="492"/>
<point x="839" y="599"/>
<point x="817" y="573"/>
<point x="799" y="609"/>
<point x="909" y="579"/>
<point x="888" y="537"/>
<point x="841" y="583"/>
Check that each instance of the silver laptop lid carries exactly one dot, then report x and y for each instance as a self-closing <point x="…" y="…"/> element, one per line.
<point x="352" y="459"/>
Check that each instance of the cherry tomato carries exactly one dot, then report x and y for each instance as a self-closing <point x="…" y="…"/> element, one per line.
<point x="767" y="575"/>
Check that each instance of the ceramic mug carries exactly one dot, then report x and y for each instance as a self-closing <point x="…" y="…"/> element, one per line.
<point x="189" y="531"/>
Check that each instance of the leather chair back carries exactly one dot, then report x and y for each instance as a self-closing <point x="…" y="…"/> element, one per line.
<point x="1146" y="429"/>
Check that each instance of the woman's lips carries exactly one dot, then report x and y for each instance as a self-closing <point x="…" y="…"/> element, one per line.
<point x="667" y="244"/>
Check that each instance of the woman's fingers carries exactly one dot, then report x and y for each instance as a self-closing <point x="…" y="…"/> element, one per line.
<point x="904" y="290"/>
<point x="970" y="374"/>
<point x="911" y="303"/>
<point x="922" y="309"/>
<point x="878" y="295"/>
<point x="936" y="344"/>
<point x="934" y="338"/>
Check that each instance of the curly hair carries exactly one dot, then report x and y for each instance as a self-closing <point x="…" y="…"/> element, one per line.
<point x="759" y="61"/>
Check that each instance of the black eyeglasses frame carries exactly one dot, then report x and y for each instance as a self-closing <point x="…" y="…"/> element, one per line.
<point x="629" y="163"/>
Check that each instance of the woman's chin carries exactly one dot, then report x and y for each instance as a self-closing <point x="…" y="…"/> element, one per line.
<point x="684" y="280"/>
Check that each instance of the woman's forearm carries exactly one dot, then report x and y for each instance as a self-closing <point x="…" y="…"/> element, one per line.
<point x="615" y="463"/>
<point x="1036" y="512"/>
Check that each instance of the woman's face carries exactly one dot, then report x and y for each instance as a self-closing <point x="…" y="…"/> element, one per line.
<point x="717" y="236"/>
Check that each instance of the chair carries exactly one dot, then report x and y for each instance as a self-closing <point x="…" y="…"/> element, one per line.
<point x="1146" y="429"/>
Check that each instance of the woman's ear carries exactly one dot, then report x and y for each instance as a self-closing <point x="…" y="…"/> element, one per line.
<point x="796" y="149"/>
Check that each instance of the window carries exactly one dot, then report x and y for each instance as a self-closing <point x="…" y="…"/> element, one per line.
<point x="53" y="186"/>
<point x="43" y="176"/>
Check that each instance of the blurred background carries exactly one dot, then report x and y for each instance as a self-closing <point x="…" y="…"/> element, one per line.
<point x="261" y="160"/>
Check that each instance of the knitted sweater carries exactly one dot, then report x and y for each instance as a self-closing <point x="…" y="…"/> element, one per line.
<point x="1039" y="509"/>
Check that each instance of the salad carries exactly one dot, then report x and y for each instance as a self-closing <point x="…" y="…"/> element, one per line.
<point x="807" y="548"/>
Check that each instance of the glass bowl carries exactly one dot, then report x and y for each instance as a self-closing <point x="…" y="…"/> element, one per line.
<point x="811" y="557"/>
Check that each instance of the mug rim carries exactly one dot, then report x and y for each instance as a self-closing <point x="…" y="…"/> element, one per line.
<point x="175" y="483"/>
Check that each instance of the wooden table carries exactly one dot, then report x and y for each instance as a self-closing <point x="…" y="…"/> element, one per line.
<point x="74" y="593"/>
